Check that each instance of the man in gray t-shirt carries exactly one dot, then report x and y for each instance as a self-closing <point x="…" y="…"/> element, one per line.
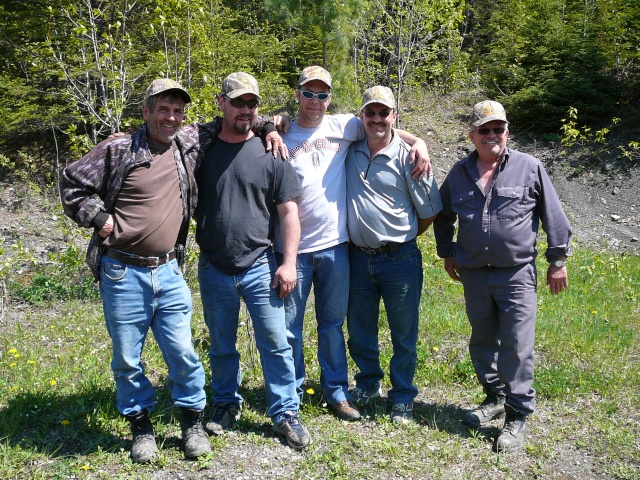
<point x="243" y="189"/>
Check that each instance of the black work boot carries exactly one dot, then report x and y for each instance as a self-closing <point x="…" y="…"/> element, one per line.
<point x="194" y="439"/>
<point x="491" y="408"/>
<point x="513" y="434"/>
<point x="144" y="443"/>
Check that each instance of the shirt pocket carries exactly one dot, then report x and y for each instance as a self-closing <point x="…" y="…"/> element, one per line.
<point x="462" y="204"/>
<point x="512" y="202"/>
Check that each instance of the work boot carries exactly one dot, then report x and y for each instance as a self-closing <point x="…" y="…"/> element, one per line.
<point x="513" y="433"/>
<point x="144" y="446"/>
<point x="194" y="439"/>
<point x="491" y="408"/>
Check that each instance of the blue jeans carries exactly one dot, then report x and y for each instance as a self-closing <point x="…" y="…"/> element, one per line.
<point x="328" y="271"/>
<point x="136" y="299"/>
<point x="397" y="279"/>
<point x="221" y="294"/>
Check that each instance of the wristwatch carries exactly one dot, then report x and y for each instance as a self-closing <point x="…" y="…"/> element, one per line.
<point x="559" y="263"/>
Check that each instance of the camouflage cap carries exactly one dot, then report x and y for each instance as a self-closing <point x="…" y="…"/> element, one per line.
<point x="239" y="83"/>
<point x="314" y="73"/>
<point x="378" y="94"/>
<point x="487" y="111"/>
<point x="164" y="84"/>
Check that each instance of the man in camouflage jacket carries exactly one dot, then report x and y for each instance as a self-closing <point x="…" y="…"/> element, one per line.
<point x="127" y="189"/>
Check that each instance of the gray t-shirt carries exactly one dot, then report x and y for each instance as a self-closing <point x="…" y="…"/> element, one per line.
<point x="239" y="187"/>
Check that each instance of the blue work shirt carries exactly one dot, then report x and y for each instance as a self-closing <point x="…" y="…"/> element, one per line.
<point x="500" y="229"/>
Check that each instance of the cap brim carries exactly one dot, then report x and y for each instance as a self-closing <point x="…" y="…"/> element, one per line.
<point x="313" y="78"/>
<point x="242" y="91"/>
<point x="490" y="118"/>
<point x="378" y="101"/>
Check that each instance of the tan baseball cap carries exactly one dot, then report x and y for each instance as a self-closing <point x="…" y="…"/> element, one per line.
<point x="164" y="84"/>
<point x="314" y="72"/>
<point x="487" y="111"/>
<point x="239" y="83"/>
<point x="378" y="94"/>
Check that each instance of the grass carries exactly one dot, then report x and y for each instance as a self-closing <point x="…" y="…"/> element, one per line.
<point x="58" y="417"/>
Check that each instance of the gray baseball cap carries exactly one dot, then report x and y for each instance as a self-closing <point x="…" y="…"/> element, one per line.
<point x="314" y="72"/>
<point x="165" y="84"/>
<point x="487" y="111"/>
<point x="378" y="94"/>
<point x="239" y="83"/>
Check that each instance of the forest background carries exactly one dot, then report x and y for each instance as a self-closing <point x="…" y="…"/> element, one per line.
<point x="74" y="71"/>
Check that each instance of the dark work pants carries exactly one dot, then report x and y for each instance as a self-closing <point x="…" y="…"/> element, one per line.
<point x="501" y="305"/>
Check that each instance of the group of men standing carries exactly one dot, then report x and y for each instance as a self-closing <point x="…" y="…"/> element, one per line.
<point x="341" y="215"/>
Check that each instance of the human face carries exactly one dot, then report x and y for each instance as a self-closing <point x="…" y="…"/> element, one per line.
<point x="378" y="120"/>
<point x="490" y="146"/>
<point x="166" y="119"/>
<point x="238" y="120"/>
<point x="311" y="111"/>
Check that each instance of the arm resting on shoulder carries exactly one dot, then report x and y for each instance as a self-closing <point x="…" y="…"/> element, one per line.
<point x="419" y="153"/>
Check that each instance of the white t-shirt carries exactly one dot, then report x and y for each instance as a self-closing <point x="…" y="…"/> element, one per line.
<point x="318" y="155"/>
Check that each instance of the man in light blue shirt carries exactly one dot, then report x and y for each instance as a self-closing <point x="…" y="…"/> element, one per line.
<point x="387" y="210"/>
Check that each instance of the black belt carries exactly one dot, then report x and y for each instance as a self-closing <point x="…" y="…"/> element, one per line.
<point x="137" y="261"/>
<point x="388" y="248"/>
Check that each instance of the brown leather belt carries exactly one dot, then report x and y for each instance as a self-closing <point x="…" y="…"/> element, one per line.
<point x="137" y="261"/>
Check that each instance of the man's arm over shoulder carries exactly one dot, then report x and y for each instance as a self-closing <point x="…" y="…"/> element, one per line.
<point x="83" y="184"/>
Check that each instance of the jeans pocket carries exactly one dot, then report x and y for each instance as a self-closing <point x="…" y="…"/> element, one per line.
<point x="113" y="271"/>
<point x="175" y="268"/>
<point x="202" y="262"/>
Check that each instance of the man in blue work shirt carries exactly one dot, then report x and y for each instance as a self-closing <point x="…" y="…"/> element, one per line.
<point x="499" y="197"/>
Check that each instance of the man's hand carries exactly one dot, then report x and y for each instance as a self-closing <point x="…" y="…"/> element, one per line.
<point x="275" y="145"/>
<point x="107" y="228"/>
<point x="420" y="155"/>
<point x="285" y="277"/>
<point x="282" y="123"/>
<point x="451" y="268"/>
<point x="557" y="279"/>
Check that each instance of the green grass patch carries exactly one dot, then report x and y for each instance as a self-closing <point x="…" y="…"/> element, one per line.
<point x="58" y="417"/>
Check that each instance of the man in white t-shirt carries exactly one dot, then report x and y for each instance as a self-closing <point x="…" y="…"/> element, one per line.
<point x="318" y="145"/>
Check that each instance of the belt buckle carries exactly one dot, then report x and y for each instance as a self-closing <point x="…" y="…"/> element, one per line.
<point x="153" y="261"/>
<point x="369" y="251"/>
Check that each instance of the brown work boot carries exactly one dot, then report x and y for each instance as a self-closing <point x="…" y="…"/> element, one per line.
<point x="144" y="446"/>
<point x="345" y="410"/>
<point x="194" y="439"/>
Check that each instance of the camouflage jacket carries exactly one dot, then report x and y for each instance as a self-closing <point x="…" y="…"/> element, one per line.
<point x="91" y="185"/>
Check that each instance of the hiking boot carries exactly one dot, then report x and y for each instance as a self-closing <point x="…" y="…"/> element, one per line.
<point x="402" y="412"/>
<point x="194" y="439"/>
<point x="490" y="409"/>
<point x="513" y="434"/>
<point x="362" y="397"/>
<point x="144" y="446"/>
<point x="292" y="429"/>
<point x="226" y="414"/>
<point x="345" y="410"/>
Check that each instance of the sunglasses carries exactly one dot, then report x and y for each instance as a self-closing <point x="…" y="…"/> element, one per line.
<point x="485" y="131"/>
<point x="309" y="95"/>
<point x="383" y="114"/>
<point x="239" y="103"/>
